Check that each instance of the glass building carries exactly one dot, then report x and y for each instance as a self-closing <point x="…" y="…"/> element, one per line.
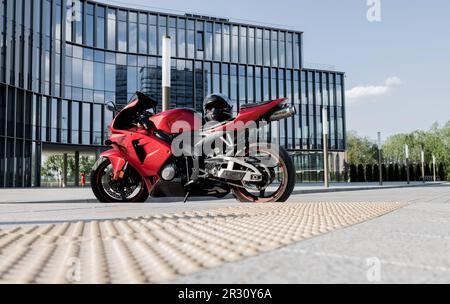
<point x="61" y="60"/>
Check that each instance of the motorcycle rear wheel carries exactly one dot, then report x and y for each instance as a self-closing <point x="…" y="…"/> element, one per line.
<point x="286" y="185"/>
<point x="131" y="189"/>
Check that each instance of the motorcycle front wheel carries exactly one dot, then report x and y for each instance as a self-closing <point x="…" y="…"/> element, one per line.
<point x="279" y="177"/>
<point x="130" y="189"/>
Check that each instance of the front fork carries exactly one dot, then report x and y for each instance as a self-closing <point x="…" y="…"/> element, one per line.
<point x="120" y="166"/>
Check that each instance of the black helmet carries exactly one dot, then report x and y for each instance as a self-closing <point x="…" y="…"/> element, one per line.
<point x="218" y="108"/>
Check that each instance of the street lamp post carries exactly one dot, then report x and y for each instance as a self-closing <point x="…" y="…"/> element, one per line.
<point x="325" y="147"/>
<point x="380" y="169"/>
<point x="166" y="52"/>
<point x="434" y="168"/>
<point x="422" y="159"/>
<point x="407" y="164"/>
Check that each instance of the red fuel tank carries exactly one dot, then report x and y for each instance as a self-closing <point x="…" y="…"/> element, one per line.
<point x="177" y="121"/>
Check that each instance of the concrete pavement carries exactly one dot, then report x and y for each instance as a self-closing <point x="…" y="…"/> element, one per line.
<point x="85" y="195"/>
<point x="409" y="245"/>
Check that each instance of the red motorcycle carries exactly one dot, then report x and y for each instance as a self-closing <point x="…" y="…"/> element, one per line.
<point x="164" y="154"/>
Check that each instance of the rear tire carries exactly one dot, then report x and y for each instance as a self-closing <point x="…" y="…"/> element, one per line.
<point x="101" y="194"/>
<point x="288" y="185"/>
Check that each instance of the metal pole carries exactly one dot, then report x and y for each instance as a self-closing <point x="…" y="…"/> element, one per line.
<point x="380" y="164"/>
<point x="326" y="173"/>
<point x="434" y="168"/>
<point x="422" y="157"/>
<point x="65" y="165"/>
<point x="407" y="164"/>
<point x="166" y="52"/>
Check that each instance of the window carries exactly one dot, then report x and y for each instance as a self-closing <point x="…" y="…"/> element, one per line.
<point x="289" y="46"/>
<point x="267" y="56"/>
<point x="200" y="41"/>
<point x="242" y="85"/>
<point x="216" y="77"/>
<point x="99" y="76"/>
<point x="274" y="40"/>
<point x="235" y="44"/>
<point x="44" y="119"/>
<point x="243" y="46"/>
<point x="89" y="30"/>
<point x="86" y="126"/>
<point x="75" y="123"/>
<point x="259" y="47"/>
<point x="181" y="38"/>
<point x="250" y="84"/>
<point x="209" y="41"/>
<point x="2" y="109"/>
<point x="251" y="46"/>
<point x="78" y="24"/>
<point x="162" y="22"/>
<point x="64" y="121"/>
<point x="226" y="42"/>
<point x="297" y="48"/>
<point x="282" y="50"/>
<point x="218" y="42"/>
<point x="88" y="74"/>
<point x="142" y="38"/>
<point x="133" y="34"/>
<point x="153" y="43"/>
<point x="111" y="29"/>
<point x="225" y="79"/>
<point x="97" y="124"/>
<point x="191" y="39"/>
<point x="110" y="83"/>
<point x="100" y="26"/>
<point x="123" y="33"/>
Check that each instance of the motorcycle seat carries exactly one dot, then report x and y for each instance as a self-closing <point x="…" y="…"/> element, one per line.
<point x="254" y="105"/>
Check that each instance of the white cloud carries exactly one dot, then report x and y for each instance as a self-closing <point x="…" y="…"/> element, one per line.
<point x="362" y="92"/>
<point x="393" y="82"/>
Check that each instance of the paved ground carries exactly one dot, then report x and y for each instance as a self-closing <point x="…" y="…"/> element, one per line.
<point x="409" y="245"/>
<point x="85" y="195"/>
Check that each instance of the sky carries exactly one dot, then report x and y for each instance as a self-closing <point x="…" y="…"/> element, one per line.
<point x="397" y="67"/>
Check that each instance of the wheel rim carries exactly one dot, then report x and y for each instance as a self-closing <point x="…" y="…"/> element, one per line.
<point x="274" y="188"/>
<point x="127" y="189"/>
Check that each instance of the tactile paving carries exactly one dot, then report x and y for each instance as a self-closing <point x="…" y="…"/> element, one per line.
<point x="162" y="247"/>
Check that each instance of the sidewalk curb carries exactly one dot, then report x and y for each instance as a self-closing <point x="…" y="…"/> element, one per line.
<point x="331" y="190"/>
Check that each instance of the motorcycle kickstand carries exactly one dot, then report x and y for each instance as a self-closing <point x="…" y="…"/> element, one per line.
<point x="186" y="197"/>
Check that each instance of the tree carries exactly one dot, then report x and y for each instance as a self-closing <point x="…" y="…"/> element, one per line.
<point x="86" y="164"/>
<point x="435" y="141"/>
<point x="361" y="150"/>
<point x="441" y="172"/>
<point x="384" y="172"/>
<point x="403" y="176"/>
<point x="412" y="173"/>
<point x="369" y="173"/>
<point x="353" y="173"/>
<point x="428" y="170"/>
<point x="390" y="173"/>
<point x="361" y="175"/>
<point x="418" y="172"/>
<point x="396" y="173"/>
<point x="376" y="173"/>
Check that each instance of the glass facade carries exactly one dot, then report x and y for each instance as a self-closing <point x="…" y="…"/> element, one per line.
<point x="61" y="62"/>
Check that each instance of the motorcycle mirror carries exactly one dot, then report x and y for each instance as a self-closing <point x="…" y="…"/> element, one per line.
<point x="111" y="106"/>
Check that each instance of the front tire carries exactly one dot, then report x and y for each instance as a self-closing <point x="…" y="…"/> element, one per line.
<point x="106" y="190"/>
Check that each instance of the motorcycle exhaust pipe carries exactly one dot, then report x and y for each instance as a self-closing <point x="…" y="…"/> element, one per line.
<point x="283" y="114"/>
